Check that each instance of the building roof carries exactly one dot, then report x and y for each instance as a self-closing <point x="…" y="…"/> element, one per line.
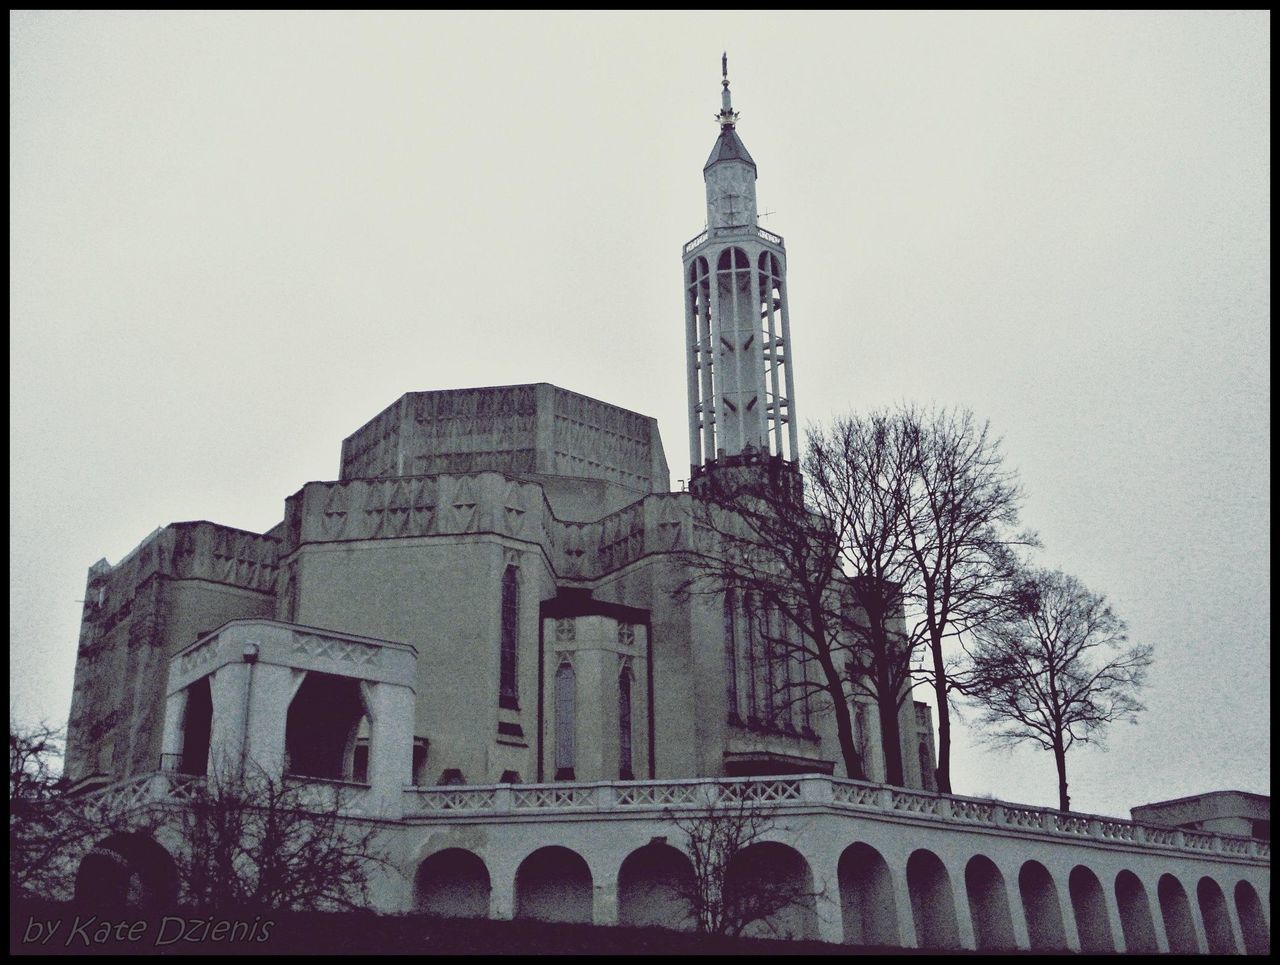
<point x="728" y="147"/>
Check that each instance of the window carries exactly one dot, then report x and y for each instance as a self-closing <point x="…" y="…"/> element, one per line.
<point x="927" y="777"/>
<point x="730" y="658"/>
<point x="625" y="769"/>
<point x="508" y="692"/>
<point x="419" y="761"/>
<point x="565" y="700"/>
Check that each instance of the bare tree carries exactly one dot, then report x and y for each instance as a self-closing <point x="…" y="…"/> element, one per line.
<point x="959" y="518"/>
<point x="858" y="474"/>
<point x="1057" y="672"/>
<point x="723" y="896"/>
<point x="259" y="841"/>
<point x="760" y="545"/>
<point x="35" y="838"/>
<point x="49" y="828"/>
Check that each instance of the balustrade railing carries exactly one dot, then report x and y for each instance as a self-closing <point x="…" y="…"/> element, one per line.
<point x="701" y="238"/>
<point x="782" y="793"/>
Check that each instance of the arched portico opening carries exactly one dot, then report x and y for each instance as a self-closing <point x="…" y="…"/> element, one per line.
<point x="324" y="721"/>
<point x="127" y="871"/>
<point x="652" y="884"/>
<point x="1216" y="917"/>
<point x="452" y="883"/>
<point x="775" y="880"/>
<point x="197" y="725"/>
<point x="1089" y="905"/>
<point x="1253" y="924"/>
<point x="933" y="903"/>
<point x="988" y="904"/>
<point x="1040" y="903"/>
<point x="1135" y="914"/>
<point x="1175" y="909"/>
<point x="867" y="907"/>
<point x="554" y="884"/>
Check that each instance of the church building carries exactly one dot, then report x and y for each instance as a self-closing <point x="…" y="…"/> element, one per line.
<point x="474" y="641"/>
<point x="520" y="547"/>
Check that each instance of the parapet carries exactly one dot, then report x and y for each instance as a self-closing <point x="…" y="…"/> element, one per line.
<point x="524" y="430"/>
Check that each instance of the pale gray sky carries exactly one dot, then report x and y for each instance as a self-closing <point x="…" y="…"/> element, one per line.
<point x="236" y="237"/>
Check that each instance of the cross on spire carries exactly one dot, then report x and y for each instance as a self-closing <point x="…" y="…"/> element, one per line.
<point x="727" y="116"/>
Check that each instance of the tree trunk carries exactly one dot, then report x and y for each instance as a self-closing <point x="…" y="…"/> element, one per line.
<point x="944" y="720"/>
<point x="890" y="733"/>
<point x="853" y="766"/>
<point x="1060" y="757"/>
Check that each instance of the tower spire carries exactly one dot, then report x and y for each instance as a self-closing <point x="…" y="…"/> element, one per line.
<point x="737" y="324"/>
<point x="727" y="116"/>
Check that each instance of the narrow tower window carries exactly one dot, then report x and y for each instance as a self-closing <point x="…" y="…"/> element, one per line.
<point x="625" y="769"/>
<point x="508" y="693"/>
<point x="731" y="658"/>
<point x="565" y="708"/>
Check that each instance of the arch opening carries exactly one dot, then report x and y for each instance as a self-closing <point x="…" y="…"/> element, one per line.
<point x="868" y="911"/>
<point x="988" y="904"/>
<point x="1089" y="905"/>
<point x="324" y="721"/>
<point x="452" y="883"/>
<point x="1136" y="924"/>
<point x="933" y="903"/>
<point x="127" y="871"/>
<point x="1253" y="923"/>
<point x="1216" y="917"/>
<point x="1045" y="929"/>
<point x="554" y="884"/>
<point x="1175" y="909"/>
<point x="197" y="728"/>
<point x="771" y="884"/>
<point x="652" y="884"/>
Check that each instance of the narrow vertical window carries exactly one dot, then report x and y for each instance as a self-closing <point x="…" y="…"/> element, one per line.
<point x="753" y="660"/>
<point x="508" y="693"/>
<point x="730" y="658"/>
<point x="565" y="700"/>
<point x="625" y="769"/>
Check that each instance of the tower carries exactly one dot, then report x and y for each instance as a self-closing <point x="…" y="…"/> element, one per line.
<point x="737" y="327"/>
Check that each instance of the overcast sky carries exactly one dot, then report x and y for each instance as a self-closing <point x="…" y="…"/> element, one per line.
<point x="234" y="238"/>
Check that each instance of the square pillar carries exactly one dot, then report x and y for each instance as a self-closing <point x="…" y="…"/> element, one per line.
<point x="390" y="747"/>
<point x="175" y="709"/>
<point x="228" y="687"/>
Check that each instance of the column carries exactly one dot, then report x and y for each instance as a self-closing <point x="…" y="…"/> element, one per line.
<point x="1113" y="915"/>
<point x="826" y="882"/>
<point x="604" y="900"/>
<point x="175" y="708"/>
<point x="902" y="901"/>
<point x="271" y="691"/>
<point x="228" y="686"/>
<point x="691" y="346"/>
<point x="390" y="746"/>
<point x="1017" y="912"/>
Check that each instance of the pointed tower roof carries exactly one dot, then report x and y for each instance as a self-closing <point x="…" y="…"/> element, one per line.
<point x="728" y="146"/>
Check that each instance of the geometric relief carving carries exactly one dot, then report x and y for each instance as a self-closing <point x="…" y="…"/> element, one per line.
<point x="515" y="511"/>
<point x="423" y="507"/>
<point x="670" y="521"/>
<point x="200" y="656"/>
<point x="331" y="648"/>
<point x="464" y="505"/>
<point x="334" y="516"/>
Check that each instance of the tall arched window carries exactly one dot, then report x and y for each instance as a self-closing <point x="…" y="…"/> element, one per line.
<point x="565" y="714"/>
<point x="625" y="768"/>
<point x="731" y="658"/>
<point x="508" y="690"/>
